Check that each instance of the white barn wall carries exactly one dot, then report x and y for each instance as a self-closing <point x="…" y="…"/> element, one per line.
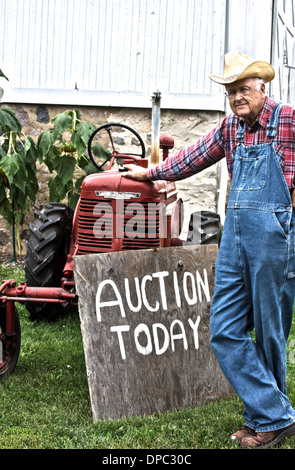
<point x="108" y="57"/>
<point x="113" y="52"/>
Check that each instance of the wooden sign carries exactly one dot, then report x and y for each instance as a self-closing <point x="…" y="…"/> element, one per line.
<point x="145" y="327"/>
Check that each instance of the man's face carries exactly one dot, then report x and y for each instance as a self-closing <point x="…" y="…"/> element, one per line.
<point x="248" y="105"/>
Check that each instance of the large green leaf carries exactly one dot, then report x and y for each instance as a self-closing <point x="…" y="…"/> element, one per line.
<point x="32" y="185"/>
<point x="62" y="122"/>
<point x="100" y="151"/>
<point x="55" y="189"/>
<point x="20" y="207"/>
<point x="20" y="178"/>
<point x="73" y="199"/>
<point x="2" y="153"/>
<point x="84" y="130"/>
<point x="9" y="165"/>
<point x="64" y="167"/>
<point x="9" y="121"/>
<point x="86" y="164"/>
<point x="79" y="182"/>
<point x="3" y="178"/>
<point x="78" y="142"/>
<point x="30" y="151"/>
<point x="58" y="190"/>
<point x="45" y="141"/>
<point x="50" y="157"/>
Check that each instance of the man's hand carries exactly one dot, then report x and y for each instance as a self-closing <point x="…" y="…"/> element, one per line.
<point x="135" y="172"/>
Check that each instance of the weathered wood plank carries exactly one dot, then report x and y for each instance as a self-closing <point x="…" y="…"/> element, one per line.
<point x="145" y="326"/>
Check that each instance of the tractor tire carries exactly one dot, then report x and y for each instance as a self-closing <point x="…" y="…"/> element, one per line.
<point x="10" y="345"/>
<point x="47" y="250"/>
<point x="204" y="229"/>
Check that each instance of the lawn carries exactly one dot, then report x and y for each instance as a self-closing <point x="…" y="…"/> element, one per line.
<point x="45" y="403"/>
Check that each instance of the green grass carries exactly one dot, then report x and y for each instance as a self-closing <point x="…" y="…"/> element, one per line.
<point x="45" y="403"/>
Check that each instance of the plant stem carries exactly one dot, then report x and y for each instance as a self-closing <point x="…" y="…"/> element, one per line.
<point x="10" y="145"/>
<point x="13" y="233"/>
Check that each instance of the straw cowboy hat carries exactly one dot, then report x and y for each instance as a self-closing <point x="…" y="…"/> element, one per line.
<point x="238" y="66"/>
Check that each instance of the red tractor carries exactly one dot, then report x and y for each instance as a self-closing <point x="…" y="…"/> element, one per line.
<point x="113" y="214"/>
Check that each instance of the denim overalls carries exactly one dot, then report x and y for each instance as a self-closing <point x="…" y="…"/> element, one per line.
<point x="255" y="284"/>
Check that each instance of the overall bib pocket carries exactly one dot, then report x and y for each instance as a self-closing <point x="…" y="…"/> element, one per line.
<point x="249" y="173"/>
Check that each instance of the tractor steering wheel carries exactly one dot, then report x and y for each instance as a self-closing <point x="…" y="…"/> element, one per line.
<point x="114" y="154"/>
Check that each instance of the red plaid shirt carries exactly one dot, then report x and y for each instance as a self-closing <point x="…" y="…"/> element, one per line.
<point x="222" y="142"/>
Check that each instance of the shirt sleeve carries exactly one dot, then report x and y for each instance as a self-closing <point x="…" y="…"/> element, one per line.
<point x="286" y="141"/>
<point x="293" y="158"/>
<point x="206" y="151"/>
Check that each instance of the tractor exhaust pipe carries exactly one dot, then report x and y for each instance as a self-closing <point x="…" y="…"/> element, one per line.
<point x="155" y="141"/>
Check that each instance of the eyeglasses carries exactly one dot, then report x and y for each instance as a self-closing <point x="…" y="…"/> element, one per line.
<point x="243" y="90"/>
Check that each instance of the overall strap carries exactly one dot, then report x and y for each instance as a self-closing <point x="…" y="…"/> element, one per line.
<point x="272" y="126"/>
<point x="240" y="132"/>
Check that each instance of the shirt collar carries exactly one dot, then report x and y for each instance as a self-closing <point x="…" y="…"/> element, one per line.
<point x="264" y="115"/>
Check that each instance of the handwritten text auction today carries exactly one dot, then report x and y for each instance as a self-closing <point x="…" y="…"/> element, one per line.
<point x="193" y="287"/>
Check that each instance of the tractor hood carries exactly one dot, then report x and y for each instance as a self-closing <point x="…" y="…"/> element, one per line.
<point x="112" y="185"/>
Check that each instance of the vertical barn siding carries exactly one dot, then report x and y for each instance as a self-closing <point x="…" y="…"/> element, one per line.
<point x="283" y="57"/>
<point x="250" y="27"/>
<point x="115" y="52"/>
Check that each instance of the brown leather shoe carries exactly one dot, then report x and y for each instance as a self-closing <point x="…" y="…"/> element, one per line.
<point x="262" y="440"/>
<point x="244" y="431"/>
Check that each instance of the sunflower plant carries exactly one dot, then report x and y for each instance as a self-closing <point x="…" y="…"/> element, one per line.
<point x="64" y="150"/>
<point x="18" y="172"/>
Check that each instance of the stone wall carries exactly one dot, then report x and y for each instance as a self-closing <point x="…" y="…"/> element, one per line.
<point x="197" y="192"/>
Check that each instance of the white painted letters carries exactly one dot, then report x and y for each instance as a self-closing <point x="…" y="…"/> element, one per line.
<point x="141" y="348"/>
<point x="138" y="294"/>
<point x="146" y="278"/>
<point x="147" y="340"/>
<point x="119" y="330"/>
<point x="195" y="330"/>
<point x="161" y="276"/>
<point x="157" y="337"/>
<point x="109" y="303"/>
<point x="160" y="349"/>
<point x="181" y="335"/>
<point x="190" y="300"/>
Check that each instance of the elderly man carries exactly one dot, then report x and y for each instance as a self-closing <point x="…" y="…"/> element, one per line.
<point x="255" y="267"/>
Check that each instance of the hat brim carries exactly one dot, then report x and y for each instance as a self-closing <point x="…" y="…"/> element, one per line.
<point x="257" y="69"/>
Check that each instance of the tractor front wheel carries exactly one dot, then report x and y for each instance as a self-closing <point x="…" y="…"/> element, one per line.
<point x="9" y="344"/>
<point x="47" y="250"/>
